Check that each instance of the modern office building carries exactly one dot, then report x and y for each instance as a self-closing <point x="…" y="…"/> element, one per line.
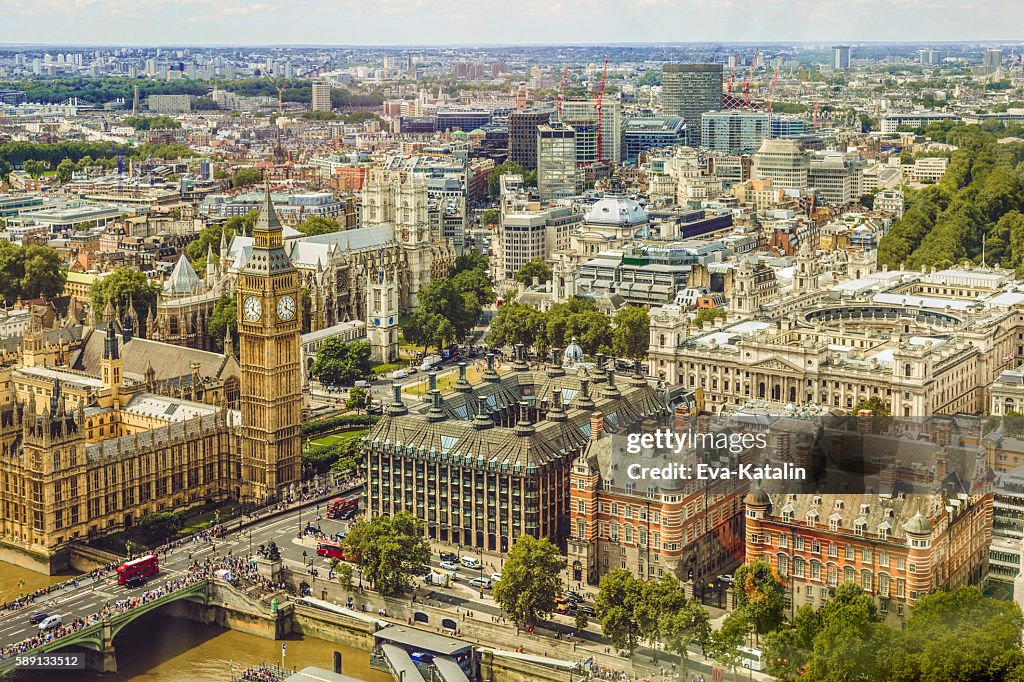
<point x="841" y="57"/>
<point x="834" y="177"/>
<point x="790" y="125"/>
<point x="992" y="60"/>
<point x="321" y="95"/>
<point x="611" y="124"/>
<point x="463" y="119"/>
<point x="169" y="104"/>
<point x="556" y="161"/>
<point x="586" y="140"/>
<point x="488" y="462"/>
<point x="735" y="131"/>
<point x="783" y="162"/>
<point x="526" y="236"/>
<point x="689" y="90"/>
<point x="642" y="134"/>
<point x="522" y="136"/>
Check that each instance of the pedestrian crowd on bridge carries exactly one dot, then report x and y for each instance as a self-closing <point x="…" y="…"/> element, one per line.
<point x="43" y="593"/>
<point x="243" y="573"/>
<point x="108" y="611"/>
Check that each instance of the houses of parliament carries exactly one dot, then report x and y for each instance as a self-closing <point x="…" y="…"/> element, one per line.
<point x="99" y="427"/>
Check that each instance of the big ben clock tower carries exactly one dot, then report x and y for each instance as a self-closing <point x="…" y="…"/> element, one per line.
<point x="271" y="382"/>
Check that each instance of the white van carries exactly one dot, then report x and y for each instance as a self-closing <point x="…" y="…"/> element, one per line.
<point x="470" y="562"/>
<point x="399" y="374"/>
<point x="362" y="383"/>
<point x="50" y="622"/>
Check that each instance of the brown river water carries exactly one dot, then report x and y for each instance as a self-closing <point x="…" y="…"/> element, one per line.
<point x="156" y="648"/>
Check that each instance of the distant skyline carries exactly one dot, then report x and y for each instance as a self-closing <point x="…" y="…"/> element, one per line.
<point x="417" y="22"/>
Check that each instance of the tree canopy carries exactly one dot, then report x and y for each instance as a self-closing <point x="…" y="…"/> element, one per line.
<point x="315" y="225"/>
<point x="340" y="363"/>
<point x="223" y="321"/>
<point x="29" y="272"/>
<point x="979" y="199"/>
<point x="535" y="269"/>
<point x="389" y="550"/>
<point x="957" y="635"/>
<point x="618" y="596"/>
<point x="761" y="593"/>
<point x="494" y="178"/>
<point x="631" y="335"/>
<point x="152" y="122"/>
<point x="530" y="579"/>
<point x="125" y="287"/>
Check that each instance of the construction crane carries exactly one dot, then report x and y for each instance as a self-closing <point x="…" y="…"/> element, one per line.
<point x="775" y="80"/>
<point x="561" y="91"/>
<point x="750" y="76"/>
<point x="732" y="76"/>
<point x="599" y="105"/>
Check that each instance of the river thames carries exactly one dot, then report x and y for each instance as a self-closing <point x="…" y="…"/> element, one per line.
<point x="156" y="648"/>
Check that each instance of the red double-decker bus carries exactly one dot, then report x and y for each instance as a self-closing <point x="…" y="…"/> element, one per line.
<point x="143" y="567"/>
<point x="333" y="550"/>
<point x="343" y="507"/>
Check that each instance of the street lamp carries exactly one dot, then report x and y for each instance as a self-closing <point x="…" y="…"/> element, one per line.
<point x="480" y="554"/>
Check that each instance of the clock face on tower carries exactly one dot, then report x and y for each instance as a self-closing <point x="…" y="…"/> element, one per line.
<point x="286" y="308"/>
<point x="252" y="309"/>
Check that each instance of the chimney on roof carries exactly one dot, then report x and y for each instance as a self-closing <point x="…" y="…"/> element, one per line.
<point x="436" y="411"/>
<point x="557" y="413"/>
<point x="483" y="414"/>
<point x="397" y="406"/>
<point x="584" y="401"/>
<point x="599" y="371"/>
<point x="611" y="390"/>
<point x="524" y="427"/>
<point x="490" y="374"/>
<point x="555" y="368"/>
<point x="596" y="425"/>
<point x="463" y="385"/>
<point x="520" y="363"/>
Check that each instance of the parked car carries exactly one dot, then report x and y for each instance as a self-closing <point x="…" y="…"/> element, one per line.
<point x="727" y="578"/>
<point x="495" y="577"/>
<point x="449" y="566"/>
<point x="449" y="556"/>
<point x="38" y="618"/>
<point x="50" y="622"/>
<point x="470" y="562"/>
<point x="485" y="583"/>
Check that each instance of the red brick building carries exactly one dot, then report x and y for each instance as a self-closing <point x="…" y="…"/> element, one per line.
<point x="897" y="547"/>
<point x="690" y="529"/>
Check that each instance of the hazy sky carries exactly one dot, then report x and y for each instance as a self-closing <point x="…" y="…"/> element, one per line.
<point x="390" y="22"/>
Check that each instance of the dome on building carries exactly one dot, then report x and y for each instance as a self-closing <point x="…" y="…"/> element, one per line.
<point x="573" y="354"/>
<point x="617" y="211"/>
<point x="919" y="525"/>
<point x="460" y="134"/>
<point x="757" y="498"/>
